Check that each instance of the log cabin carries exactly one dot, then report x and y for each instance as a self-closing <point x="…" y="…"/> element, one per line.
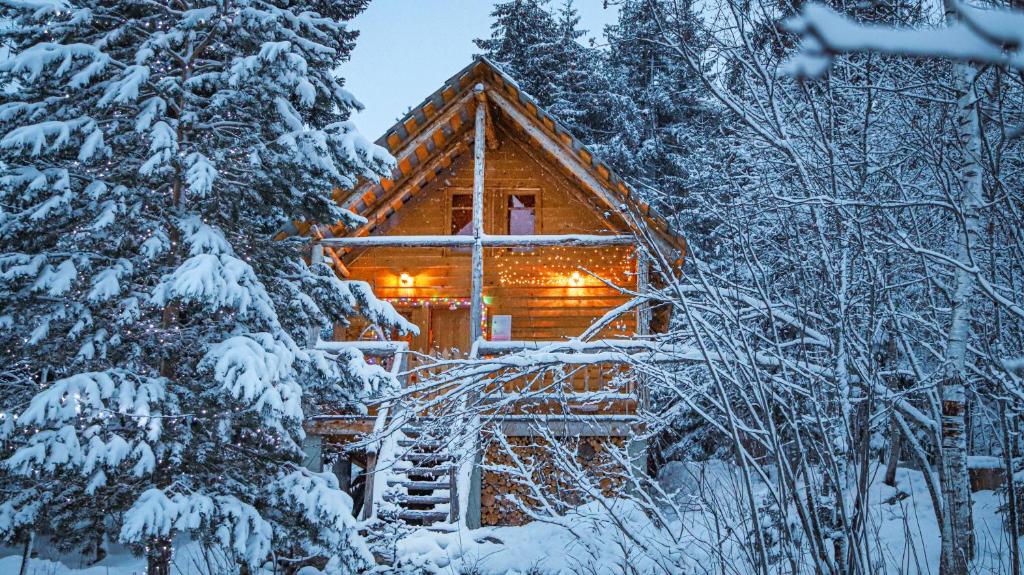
<point x="498" y="231"/>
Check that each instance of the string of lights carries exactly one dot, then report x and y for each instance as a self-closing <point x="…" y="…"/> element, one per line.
<point x="558" y="266"/>
<point x="449" y="302"/>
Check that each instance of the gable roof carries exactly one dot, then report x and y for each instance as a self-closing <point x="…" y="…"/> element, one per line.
<point x="428" y="138"/>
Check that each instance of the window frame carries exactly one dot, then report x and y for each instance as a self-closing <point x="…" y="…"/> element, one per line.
<point x="505" y="212"/>
<point x="449" y="212"/>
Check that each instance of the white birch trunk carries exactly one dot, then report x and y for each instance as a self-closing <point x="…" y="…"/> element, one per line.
<point x="957" y="539"/>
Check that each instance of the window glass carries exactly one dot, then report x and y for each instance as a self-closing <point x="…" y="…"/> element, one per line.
<point x="522" y="217"/>
<point x="462" y="215"/>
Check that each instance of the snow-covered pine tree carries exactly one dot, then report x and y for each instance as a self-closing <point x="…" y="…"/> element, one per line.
<point x="153" y="332"/>
<point x="581" y="92"/>
<point x="523" y="43"/>
<point x="544" y="53"/>
<point x="664" y="128"/>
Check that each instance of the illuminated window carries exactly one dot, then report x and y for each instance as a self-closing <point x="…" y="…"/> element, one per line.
<point x="462" y="215"/>
<point x="522" y="214"/>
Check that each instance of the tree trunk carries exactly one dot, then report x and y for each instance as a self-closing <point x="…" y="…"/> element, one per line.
<point x="957" y="537"/>
<point x="1013" y="527"/>
<point x="895" y="451"/>
<point x="26" y="555"/>
<point x="158" y="557"/>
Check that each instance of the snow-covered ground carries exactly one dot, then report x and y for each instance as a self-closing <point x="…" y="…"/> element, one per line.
<point x="587" y="540"/>
<point x="605" y="537"/>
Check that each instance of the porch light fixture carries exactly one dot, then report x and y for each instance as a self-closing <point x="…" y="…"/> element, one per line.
<point x="576" y="279"/>
<point x="405" y="280"/>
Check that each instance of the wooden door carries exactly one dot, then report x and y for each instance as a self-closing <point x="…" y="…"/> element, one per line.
<point x="449" y="331"/>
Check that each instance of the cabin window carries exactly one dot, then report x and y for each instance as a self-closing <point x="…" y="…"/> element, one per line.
<point x="522" y="214"/>
<point x="462" y="215"/>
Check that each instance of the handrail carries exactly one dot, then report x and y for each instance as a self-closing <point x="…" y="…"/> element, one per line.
<point x="399" y="351"/>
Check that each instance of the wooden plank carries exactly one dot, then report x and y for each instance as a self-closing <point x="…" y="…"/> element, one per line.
<point x="591" y="426"/>
<point x="340" y="425"/>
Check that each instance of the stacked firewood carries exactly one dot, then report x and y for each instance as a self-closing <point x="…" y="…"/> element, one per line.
<point x="499" y="491"/>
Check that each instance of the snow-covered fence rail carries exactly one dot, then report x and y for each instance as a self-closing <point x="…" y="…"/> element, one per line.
<point x="488" y="241"/>
<point x="394" y="358"/>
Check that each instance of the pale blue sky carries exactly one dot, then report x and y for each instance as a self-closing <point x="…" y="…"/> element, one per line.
<point x="407" y="48"/>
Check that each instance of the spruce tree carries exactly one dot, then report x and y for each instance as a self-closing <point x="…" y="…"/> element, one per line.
<point x="581" y="95"/>
<point x="153" y="332"/>
<point x="665" y="132"/>
<point x="523" y="43"/>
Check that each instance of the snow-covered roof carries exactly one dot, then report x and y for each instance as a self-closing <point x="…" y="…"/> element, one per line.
<point x="440" y="128"/>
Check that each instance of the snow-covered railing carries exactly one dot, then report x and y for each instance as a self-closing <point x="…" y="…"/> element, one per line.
<point x="398" y="353"/>
<point x="591" y="382"/>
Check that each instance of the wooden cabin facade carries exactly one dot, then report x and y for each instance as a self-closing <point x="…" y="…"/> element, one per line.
<point x="498" y="231"/>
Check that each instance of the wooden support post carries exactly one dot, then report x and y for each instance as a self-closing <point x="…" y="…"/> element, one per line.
<point x="643" y="312"/>
<point x="643" y="317"/>
<point x="453" y="494"/>
<point x="316" y="256"/>
<point x="477" y="295"/>
<point x="369" y="474"/>
<point x="343" y="471"/>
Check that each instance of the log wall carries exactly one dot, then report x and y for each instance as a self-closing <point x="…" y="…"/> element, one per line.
<point x="535" y="286"/>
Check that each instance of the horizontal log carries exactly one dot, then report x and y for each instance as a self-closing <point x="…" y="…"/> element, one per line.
<point x="570" y="426"/>
<point x="496" y="241"/>
<point x="355" y="425"/>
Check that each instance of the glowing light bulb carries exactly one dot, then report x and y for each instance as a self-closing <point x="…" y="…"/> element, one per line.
<point x="405" y="280"/>
<point x="576" y="279"/>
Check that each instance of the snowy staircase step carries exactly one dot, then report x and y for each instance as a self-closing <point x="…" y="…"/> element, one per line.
<point x="421" y="482"/>
<point x="419" y="485"/>
<point x="419" y="499"/>
<point x="423" y="517"/>
<point x="421" y="443"/>
<point x="424" y="471"/>
<point x="427" y="457"/>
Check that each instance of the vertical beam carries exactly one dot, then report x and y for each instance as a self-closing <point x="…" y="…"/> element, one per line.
<point x="343" y="471"/>
<point x="370" y="476"/>
<point x="316" y="256"/>
<point x="643" y="311"/>
<point x="476" y="309"/>
<point x="453" y="494"/>
<point x="643" y="316"/>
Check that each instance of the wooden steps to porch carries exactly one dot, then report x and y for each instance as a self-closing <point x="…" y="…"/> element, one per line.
<point x="422" y="482"/>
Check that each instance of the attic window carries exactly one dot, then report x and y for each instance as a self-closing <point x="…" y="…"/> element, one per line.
<point x="522" y="215"/>
<point x="462" y="215"/>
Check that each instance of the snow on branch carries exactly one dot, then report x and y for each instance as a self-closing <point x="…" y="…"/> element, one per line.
<point x="36" y="58"/>
<point x="990" y="36"/>
<point x="217" y="281"/>
<point x="256" y="369"/>
<point x="239" y="526"/>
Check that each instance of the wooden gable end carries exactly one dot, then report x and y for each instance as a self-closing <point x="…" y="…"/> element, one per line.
<point x="533" y="286"/>
<point x="439" y="130"/>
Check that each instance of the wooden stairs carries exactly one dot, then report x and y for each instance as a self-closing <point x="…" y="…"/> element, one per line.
<point x="423" y="482"/>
